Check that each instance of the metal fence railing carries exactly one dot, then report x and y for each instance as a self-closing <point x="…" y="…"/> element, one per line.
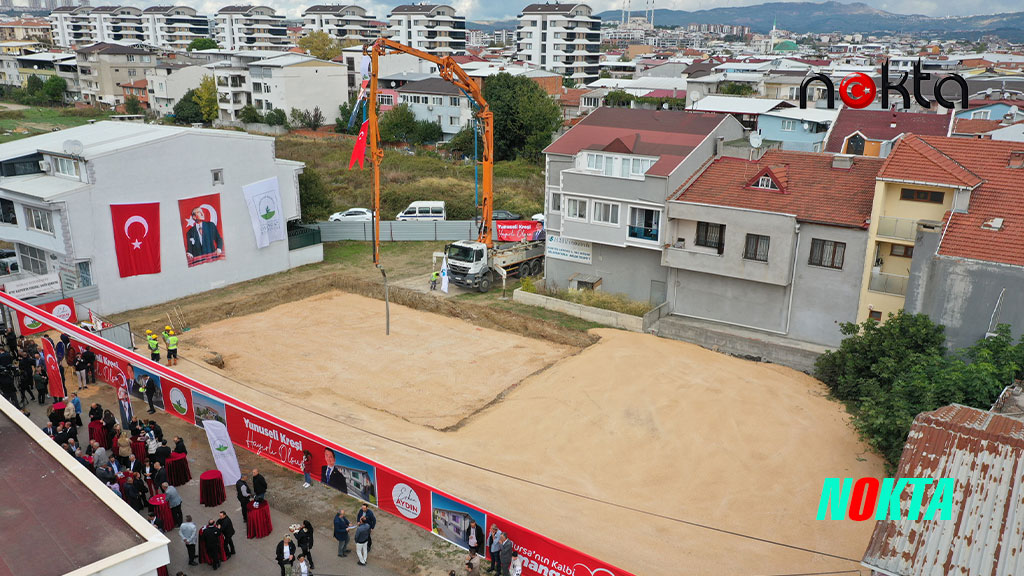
<point x="395" y="231"/>
<point x="302" y="236"/>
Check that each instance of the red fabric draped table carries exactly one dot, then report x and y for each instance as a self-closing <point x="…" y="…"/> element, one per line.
<point x="163" y="512"/>
<point x="204" y="554"/>
<point x="97" y="433"/>
<point x="177" y="469"/>
<point x="161" y="571"/>
<point x="59" y="407"/>
<point x="259" y="524"/>
<point x="139" y="449"/>
<point x="211" y="488"/>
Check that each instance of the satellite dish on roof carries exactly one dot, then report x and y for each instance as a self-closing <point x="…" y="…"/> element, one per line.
<point x="696" y="95"/>
<point x="73" y="147"/>
<point x="1013" y="110"/>
<point x="756" y="140"/>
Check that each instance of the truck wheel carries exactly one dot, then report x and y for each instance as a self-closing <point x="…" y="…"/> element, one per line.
<point x="524" y="269"/>
<point x="536" y="267"/>
<point x="485" y="283"/>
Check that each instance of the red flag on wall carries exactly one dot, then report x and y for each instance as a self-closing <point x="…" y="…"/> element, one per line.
<point x="56" y="384"/>
<point x="136" y="238"/>
<point x="359" y="152"/>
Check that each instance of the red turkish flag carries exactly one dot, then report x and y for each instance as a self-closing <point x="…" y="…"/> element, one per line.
<point x="56" y="384"/>
<point x="136" y="238"/>
<point x="359" y="152"/>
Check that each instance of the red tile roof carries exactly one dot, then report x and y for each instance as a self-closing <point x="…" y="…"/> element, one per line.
<point x="878" y="125"/>
<point x="998" y="191"/>
<point x="669" y="134"/>
<point x="983" y="452"/>
<point x="809" y="187"/>
<point x="975" y="126"/>
<point x="136" y="84"/>
<point x="571" y="96"/>
<point x="665" y="93"/>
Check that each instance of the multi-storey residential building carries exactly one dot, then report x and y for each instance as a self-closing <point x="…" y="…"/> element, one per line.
<point x="137" y="90"/>
<point x="283" y="81"/>
<point x="9" y="53"/>
<point x="433" y="28"/>
<point x="344" y="22"/>
<point x="774" y="244"/>
<point x="437" y="100"/>
<point x="607" y="181"/>
<point x="105" y="67"/>
<point x="172" y="27"/>
<point x="797" y="128"/>
<point x="41" y="64"/>
<point x="562" y="38"/>
<point x="26" y="29"/>
<point x="251" y="28"/>
<point x="65" y="181"/>
<point x="169" y="81"/>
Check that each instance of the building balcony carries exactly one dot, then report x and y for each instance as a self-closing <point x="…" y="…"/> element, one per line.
<point x="899" y="228"/>
<point x="888" y="283"/>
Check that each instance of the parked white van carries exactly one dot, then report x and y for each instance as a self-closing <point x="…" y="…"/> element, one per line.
<point x="424" y="211"/>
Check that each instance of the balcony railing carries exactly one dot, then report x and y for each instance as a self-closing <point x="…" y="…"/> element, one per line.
<point x="888" y="283"/>
<point x="643" y="233"/>
<point x="902" y="228"/>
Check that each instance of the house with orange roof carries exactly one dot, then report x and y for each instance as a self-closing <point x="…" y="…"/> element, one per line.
<point x="771" y="246"/>
<point x="967" y="265"/>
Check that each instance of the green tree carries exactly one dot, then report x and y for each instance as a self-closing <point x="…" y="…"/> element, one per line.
<point x="618" y="98"/>
<point x="427" y="132"/>
<point x="54" y="88"/>
<point x="568" y="82"/>
<point x="736" y="88"/>
<point x="206" y="97"/>
<point x="320" y="45"/>
<point x="186" y="110"/>
<point x="604" y="74"/>
<point x="397" y="125"/>
<point x="314" y="119"/>
<point x="341" y="124"/>
<point x="202" y="44"/>
<point x="462" y="142"/>
<point x="314" y="198"/>
<point x="132" y="105"/>
<point x="250" y="115"/>
<point x="276" y="117"/>
<point x="524" y="116"/>
<point x="33" y="85"/>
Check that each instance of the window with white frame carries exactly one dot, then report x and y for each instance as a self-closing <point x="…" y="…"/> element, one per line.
<point x="84" y="274"/>
<point x="33" y="259"/>
<point x="644" y="223"/>
<point x="437" y="100"/>
<point x="453" y="121"/>
<point x="621" y="166"/>
<point x="606" y="213"/>
<point x="38" y="220"/>
<point x="575" y="209"/>
<point x="66" y="166"/>
<point x="788" y="125"/>
<point x="980" y="114"/>
<point x="385" y="99"/>
<point x="454" y="101"/>
<point x="765" y="182"/>
<point x="556" y="202"/>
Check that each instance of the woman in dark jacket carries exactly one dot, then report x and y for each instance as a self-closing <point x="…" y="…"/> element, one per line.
<point x="304" y="538"/>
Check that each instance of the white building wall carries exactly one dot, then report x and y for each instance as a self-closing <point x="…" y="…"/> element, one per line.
<point x="243" y="159"/>
<point x="169" y="88"/>
<point x="306" y="87"/>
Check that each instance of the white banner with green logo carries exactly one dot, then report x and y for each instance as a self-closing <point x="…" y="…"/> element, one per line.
<point x="265" y="211"/>
<point x="223" y="451"/>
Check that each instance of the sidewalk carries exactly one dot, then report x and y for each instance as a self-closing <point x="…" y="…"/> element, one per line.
<point x="399" y="549"/>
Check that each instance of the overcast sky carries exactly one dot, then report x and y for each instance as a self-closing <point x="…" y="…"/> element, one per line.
<point x="508" y="9"/>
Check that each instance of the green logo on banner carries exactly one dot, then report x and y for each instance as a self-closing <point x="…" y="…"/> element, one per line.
<point x="32" y="323"/>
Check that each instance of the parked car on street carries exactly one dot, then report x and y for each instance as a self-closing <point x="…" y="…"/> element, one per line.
<point x="352" y="215"/>
<point x="505" y="215"/>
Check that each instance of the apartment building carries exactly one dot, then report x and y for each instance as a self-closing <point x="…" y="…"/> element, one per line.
<point x="251" y="28"/>
<point x="171" y="27"/>
<point x="344" y="22"/>
<point x="437" y="100"/>
<point x="607" y="181"/>
<point x="774" y="244"/>
<point x="874" y="132"/>
<point x="41" y="64"/>
<point x="433" y="28"/>
<point x="58" y="187"/>
<point x="562" y="38"/>
<point x="282" y="81"/>
<point x="167" y="82"/>
<point x="26" y="29"/>
<point x="104" y="67"/>
<point x="800" y="129"/>
<point x="948" y="238"/>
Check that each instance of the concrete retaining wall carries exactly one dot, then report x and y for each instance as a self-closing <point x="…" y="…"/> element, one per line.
<point x="308" y="255"/>
<point x="589" y="313"/>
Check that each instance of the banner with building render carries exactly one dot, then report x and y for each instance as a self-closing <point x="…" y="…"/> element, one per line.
<point x="282" y="442"/>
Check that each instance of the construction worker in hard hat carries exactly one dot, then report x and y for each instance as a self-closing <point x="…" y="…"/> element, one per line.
<point x="154" y="346"/>
<point x="164" y="334"/>
<point x="172" y="348"/>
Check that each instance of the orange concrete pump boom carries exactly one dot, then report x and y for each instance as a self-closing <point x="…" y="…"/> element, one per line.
<point x="449" y="70"/>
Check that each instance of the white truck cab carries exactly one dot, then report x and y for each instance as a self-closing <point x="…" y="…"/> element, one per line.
<point x="471" y="264"/>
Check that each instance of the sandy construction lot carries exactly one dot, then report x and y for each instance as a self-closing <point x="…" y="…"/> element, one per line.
<point x="675" y="432"/>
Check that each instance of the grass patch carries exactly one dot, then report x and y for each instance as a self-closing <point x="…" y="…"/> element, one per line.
<point x="400" y="259"/>
<point x="38" y="120"/>
<point x="518" y="185"/>
<point x="493" y="299"/>
<point x="595" y="298"/>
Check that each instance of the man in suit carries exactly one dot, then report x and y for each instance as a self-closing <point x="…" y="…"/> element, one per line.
<point x="203" y="238"/>
<point x="159" y="475"/>
<point x="329" y="473"/>
<point x="259" y="485"/>
<point x="244" y="494"/>
<point x="506" y="554"/>
<point x="133" y="465"/>
<point x="211" y="537"/>
<point x="228" y="530"/>
<point x="162" y="453"/>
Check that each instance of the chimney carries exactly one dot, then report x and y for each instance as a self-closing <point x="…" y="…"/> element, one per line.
<point x="842" y="161"/>
<point x="719" y="146"/>
<point x="892" y="124"/>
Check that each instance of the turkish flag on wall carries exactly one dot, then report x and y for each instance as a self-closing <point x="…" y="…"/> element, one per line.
<point x="136" y="238"/>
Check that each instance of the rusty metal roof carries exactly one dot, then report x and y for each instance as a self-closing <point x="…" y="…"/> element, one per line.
<point x="984" y="452"/>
